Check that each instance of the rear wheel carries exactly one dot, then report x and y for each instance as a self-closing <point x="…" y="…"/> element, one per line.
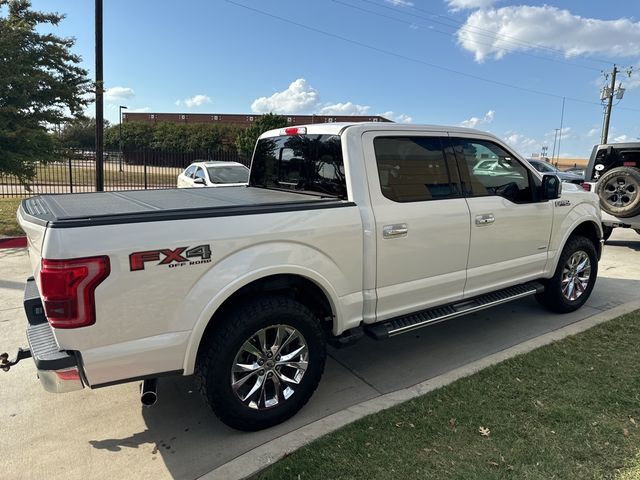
<point x="262" y="363"/>
<point x="619" y="192"/>
<point x="574" y="278"/>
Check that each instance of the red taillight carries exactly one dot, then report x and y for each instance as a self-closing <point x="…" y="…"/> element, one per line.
<point x="586" y="186"/>
<point x="67" y="288"/>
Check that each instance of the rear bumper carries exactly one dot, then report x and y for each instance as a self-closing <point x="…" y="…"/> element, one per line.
<point x="58" y="370"/>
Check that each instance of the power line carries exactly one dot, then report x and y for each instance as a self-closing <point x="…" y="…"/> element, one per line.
<point x="451" y="34"/>
<point x="412" y="59"/>
<point x="489" y="33"/>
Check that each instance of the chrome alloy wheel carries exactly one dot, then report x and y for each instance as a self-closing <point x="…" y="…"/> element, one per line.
<point x="575" y="275"/>
<point x="269" y="366"/>
<point x="620" y="191"/>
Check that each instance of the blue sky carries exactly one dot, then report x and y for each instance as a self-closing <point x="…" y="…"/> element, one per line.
<point x="437" y="61"/>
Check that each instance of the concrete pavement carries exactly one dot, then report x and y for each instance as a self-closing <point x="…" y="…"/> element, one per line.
<point x="107" y="434"/>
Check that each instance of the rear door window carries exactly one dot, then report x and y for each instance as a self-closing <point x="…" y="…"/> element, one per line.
<point x="414" y="169"/>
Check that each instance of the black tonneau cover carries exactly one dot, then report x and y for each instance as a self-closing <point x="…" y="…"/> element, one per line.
<point x="108" y="208"/>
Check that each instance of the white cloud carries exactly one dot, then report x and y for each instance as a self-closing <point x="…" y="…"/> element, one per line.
<point x="139" y="110"/>
<point x="518" y="27"/>
<point x="565" y="134"/>
<point x="593" y="132"/>
<point x="195" y="101"/>
<point x="400" y="3"/>
<point x="297" y="98"/>
<point x="523" y="144"/>
<point x="398" y="118"/>
<point x="456" y="5"/>
<point x="622" y="138"/>
<point x="346" y="108"/>
<point x="115" y="94"/>
<point x="302" y="98"/>
<point x="473" y="122"/>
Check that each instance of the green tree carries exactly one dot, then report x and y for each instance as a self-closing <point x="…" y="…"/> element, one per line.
<point x="80" y="133"/>
<point x="246" y="139"/>
<point x="41" y="86"/>
<point x="135" y="135"/>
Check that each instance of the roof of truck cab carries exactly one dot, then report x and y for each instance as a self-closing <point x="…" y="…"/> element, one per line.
<point x="338" y="127"/>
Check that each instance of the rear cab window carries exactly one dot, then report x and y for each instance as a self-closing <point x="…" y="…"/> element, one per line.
<point x="311" y="164"/>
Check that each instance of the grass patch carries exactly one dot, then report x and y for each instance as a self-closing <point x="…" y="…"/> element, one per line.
<point x="570" y="410"/>
<point x="58" y="174"/>
<point x="8" y="223"/>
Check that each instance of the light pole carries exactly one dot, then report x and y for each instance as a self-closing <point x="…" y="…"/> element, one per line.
<point x="99" y="100"/>
<point x="122" y="107"/>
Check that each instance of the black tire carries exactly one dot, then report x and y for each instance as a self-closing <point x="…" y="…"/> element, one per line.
<point x="225" y="343"/>
<point x="553" y="297"/>
<point x="619" y="192"/>
<point x="606" y="232"/>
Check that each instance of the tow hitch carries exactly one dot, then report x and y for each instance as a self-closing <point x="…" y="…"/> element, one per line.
<point x="6" y="364"/>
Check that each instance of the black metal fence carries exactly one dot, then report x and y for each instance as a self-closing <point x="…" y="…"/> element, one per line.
<point x="128" y="170"/>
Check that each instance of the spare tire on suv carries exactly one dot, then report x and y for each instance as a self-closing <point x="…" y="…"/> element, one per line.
<point x="619" y="192"/>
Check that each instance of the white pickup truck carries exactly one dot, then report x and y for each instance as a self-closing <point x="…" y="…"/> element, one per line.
<point x="343" y="230"/>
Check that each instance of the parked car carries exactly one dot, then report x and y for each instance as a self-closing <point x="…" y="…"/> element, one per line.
<point x="214" y="174"/>
<point x="577" y="171"/>
<point x="344" y="230"/>
<point x="613" y="172"/>
<point x="546" y="168"/>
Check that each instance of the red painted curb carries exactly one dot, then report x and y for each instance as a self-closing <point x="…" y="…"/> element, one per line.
<point x="13" y="242"/>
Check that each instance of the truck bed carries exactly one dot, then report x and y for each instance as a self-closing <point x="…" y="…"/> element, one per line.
<point x="108" y="208"/>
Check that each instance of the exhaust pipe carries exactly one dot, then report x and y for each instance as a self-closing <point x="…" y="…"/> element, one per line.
<point x="149" y="392"/>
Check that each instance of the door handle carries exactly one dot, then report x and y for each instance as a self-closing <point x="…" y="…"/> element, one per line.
<point x="485" y="219"/>
<point x="398" y="230"/>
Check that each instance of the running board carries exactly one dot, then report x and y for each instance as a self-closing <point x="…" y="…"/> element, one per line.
<point x="406" y="323"/>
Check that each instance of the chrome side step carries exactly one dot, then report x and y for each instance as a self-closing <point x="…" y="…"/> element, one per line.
<point x="413" y="321"/>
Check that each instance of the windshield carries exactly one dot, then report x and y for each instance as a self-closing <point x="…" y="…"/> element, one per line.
<point x="304" y="163"/>
<point x="542" y="167"/>
<point x="228" y="174"/>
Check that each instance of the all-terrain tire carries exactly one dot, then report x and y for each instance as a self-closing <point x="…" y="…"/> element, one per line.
<point x="553" y="297"/>
<point x="619" y="192"/>
<point x="219" y="352"/>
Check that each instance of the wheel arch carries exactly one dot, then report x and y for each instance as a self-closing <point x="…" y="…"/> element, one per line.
<point x="306" y="286"/>
<point x="588" y="227"/>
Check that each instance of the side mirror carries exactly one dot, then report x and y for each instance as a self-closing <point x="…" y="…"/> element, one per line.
<point x="551" y="187"/>
<point x="199" y="181"/>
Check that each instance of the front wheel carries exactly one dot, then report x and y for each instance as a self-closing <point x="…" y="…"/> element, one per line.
<point x="574" y="278"/>
<point x="261" y="363"/>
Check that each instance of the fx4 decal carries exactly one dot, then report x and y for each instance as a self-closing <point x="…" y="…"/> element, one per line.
<point x="179" y="257"/>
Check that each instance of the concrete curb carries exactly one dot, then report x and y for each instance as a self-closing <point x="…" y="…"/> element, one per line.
<point x="13" y="242"/>
<point x="252" y="462"/>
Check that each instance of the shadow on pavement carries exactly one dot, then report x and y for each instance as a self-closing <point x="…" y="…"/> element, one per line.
<point x="192" y="441"/>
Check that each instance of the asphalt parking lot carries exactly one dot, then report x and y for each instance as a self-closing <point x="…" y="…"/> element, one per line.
<point x="107" y="434"/>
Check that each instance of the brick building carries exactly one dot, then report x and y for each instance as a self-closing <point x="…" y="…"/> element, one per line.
<point x="242" y="120"/>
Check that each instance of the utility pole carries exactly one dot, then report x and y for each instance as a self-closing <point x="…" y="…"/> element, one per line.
<point x="555" y="139"/>
<point x="607" y="113"/>
<point x="99" y="101"/>
<point x="560" y="134"/>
